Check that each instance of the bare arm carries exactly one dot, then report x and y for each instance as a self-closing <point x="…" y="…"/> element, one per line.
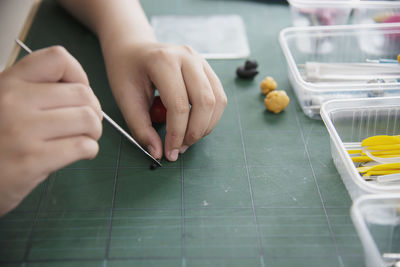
<point x="135" y="61"/>
<point x="112" y="20"/>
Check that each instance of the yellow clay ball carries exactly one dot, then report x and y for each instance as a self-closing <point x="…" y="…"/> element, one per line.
<point x="268" y="85"/>
<point x="276" y="101"/>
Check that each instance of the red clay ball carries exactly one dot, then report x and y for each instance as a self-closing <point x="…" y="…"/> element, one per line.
<point x="158" y="113"/>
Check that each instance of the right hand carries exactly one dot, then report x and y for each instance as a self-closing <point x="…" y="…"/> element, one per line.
<point x="49" y="118"/>
<point x="190" y="90"/>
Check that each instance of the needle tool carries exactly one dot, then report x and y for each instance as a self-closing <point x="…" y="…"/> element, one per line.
<point x="107" y="118"/>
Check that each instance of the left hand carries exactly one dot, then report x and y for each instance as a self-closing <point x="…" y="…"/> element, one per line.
<point x="188" y="87"/>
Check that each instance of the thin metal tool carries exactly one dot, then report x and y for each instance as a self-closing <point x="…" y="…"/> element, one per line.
<point x="130" y="138"/>
<point x="111" y="121"/>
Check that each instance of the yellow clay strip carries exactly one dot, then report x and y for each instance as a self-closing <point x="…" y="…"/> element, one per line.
<point x="380" y="167"/>
<point x="368" y="159"/>
<point x="381" y="140"/>
<point x="361" y="159"/>
<point x="384" y="152"/>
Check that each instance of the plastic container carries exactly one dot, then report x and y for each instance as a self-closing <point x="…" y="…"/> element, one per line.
<point x="338" y="12"/>
<point x="377" y="221"/>
<point x="366" y="11"/>
<point x="351" y="121"/>
<point x="338" y="44"/>
<point x="320" y="12"/>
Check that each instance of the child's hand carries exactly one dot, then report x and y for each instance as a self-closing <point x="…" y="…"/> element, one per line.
<point x="189" y="89"/>
<point x="137" y="64"/>
<point x="49" y="118"/>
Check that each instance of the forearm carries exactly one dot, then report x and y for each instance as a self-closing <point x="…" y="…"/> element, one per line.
<point x="116" y="21"/>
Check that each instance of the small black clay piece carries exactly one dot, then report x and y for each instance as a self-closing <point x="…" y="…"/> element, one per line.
<point x="154" y="165"/>
<point x="250" y="64"/>
<point x="248" y="71"/>
<point x="246" y="74"/>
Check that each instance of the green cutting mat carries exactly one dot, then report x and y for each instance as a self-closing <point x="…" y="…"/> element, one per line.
<point x="261" y="190"/>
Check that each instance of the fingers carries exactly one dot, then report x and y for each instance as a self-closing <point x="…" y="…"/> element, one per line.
<point x="53" y="64"/>
<point x="67" y="135"/>
<point x="202" y="98"/>
<point x="49" y="119"/>
<point x="219" y="94"/>
<point x="150" y="138"/>
<point x="169" y="81"/>
<point x="67" y="122"/>
<point x="190" y="81"/>
<point x="58" y="153"/>
<point x="138" y="120"/>
<point x="44" y="96"/>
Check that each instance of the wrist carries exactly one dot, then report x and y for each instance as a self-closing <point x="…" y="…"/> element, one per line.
<point x="118" y="42"/>
<point x="125" y="31"/>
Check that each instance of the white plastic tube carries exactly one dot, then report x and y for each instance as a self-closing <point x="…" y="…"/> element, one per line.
<point x="316" y="71"/>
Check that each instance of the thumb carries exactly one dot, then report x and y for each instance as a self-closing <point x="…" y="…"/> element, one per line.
<point x="150" y="139"/>
<point x="139" y="123"/>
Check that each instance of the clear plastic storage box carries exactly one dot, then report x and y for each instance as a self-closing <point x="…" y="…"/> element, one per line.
<point x="377" y="221"/>
<point x="320" y="12"/>
<point x="320" y="59"/>
<point x="366" y="11"/>
<point x="337" y="12"/>
<point x="348" y="123"/>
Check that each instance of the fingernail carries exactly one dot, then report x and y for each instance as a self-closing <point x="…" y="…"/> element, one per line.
<point x="173" y="155"/>
<point x="183" y="149"/>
